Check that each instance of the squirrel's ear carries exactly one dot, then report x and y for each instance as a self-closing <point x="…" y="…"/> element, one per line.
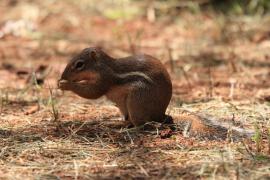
<point x="93" y="55"/>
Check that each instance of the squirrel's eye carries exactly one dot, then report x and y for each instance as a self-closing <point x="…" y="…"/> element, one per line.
<point x="79" y="65"/>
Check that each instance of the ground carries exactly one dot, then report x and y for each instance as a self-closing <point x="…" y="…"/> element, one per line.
<point x="220" y="67"/>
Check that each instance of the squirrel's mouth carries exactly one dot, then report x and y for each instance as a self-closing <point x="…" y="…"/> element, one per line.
<point x="64" y="84"/>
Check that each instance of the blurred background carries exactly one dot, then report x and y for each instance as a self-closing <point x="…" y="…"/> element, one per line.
<point x="209" y="46"/>
<point x="207" y="43"/>
<point x="201" y="42"/>
<point x="217" y="53"/>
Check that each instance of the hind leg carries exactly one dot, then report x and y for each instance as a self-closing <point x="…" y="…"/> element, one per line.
<point x="143" y="106"/>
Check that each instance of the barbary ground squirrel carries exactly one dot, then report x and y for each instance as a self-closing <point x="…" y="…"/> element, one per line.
<point x="139" y="85"/>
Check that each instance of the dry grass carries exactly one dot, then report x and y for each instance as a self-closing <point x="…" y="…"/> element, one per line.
<point x="220" y="69"/>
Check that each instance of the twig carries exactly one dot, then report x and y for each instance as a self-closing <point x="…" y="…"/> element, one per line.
<point x="132" y="47"/>
<point x="232" y="82"/>
<point x="2" y="104"/>
<point x="75" y="131"/>
<point x="186" y="77"/>
<point x="131" y="140"/>
<point x="248" y="151"/>
<point x="143" y="170"/>
<point x="151" y="12"/>
<point x="76" y="169"/>
<point x="257" y="137"/>
<point x="268" y="138"/>
<point x="171" y="58"/>
<point x="232" y="62"/>
<point x="54" y="111"/>
<point x="211" y="83"/>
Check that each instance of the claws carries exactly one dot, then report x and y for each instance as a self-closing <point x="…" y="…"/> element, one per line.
<point x="62" y="83"/>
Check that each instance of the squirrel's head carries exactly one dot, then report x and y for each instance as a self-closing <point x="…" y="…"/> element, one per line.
<point x="87" y="74"/>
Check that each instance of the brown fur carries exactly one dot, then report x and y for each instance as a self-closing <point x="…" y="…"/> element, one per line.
<point x="118" y="94"/>
<point x="139" y="85"/>
<point x="90" y="77"/>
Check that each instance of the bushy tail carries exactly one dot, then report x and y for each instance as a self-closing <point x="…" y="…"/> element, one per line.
<point x="200" y="125"/>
